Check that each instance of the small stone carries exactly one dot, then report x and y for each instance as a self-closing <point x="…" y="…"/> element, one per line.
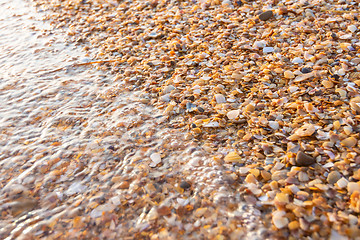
<point x="153" y="35"/>
<point x="341" y="92"/>
<point x="152" y="215"/>
<point x="333" y="177"/>
<point x="227" y="3"/>
<point x="337" y="236"/>
<point x="99" y="210"/>
<point x="165" y="98"/>
<point x="185" y="185"/>
<point x="303" y="159"/>
<point x="289" y="74"/>
<point x="346" y="46"/>
<point x="211" y="124"/>
<point x="306" y="70"/>
<point x="251" y="200"/>
<point x="266" y="15"/>
<point x="310" y="108"/>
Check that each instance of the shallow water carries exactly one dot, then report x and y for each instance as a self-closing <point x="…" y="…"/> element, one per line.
<point x="40" y="111"/>
<point x="65" y="134"/>
<point x="48" y="119"/>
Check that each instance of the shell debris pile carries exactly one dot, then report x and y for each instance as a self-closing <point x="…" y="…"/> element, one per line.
<point x="267" y="91"/>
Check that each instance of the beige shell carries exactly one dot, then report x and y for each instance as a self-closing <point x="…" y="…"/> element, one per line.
<point x="233" y="157"/>
<point x="355" y="104"/>
<point x="305" y="131"/>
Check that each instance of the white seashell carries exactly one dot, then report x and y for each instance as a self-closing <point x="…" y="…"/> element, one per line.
<point x="268" y="49"/>
<point x="297" y="60"/>
<point x="220" y="98"/>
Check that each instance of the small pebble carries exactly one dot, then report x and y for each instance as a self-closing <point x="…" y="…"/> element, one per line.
<point x="306" y="70"/>
<point x="266" y="15"/>
<point x="185" y="185"/>
<point x="333" y="177"/>
<point x="303" y="159"/>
